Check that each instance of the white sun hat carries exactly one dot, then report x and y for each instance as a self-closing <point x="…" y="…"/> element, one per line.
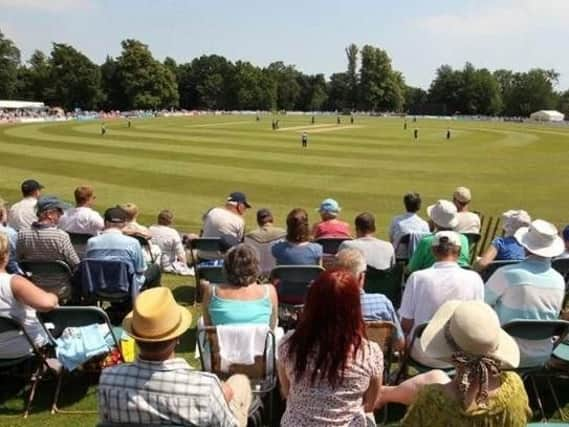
<point x="541" y="238"/>
<point x="473" y="327"/>
<point x="444" y="214"/>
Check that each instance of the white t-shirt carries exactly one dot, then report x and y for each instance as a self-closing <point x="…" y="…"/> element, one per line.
<point x="12" y="344"/>
<point x="170" y="243"/>
<point x="23" y="213"/>
<point x="220" y="222"/>
<point x="426" y="290"/>
<point x="468" y="222"/>
<point x="82" y="220"/>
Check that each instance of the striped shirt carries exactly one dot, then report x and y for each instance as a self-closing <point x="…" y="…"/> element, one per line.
<point x="165" y="392"/>
<point x="379" y="307"/>
<point x="530" y="290"/>
<point x="45" y="243"/>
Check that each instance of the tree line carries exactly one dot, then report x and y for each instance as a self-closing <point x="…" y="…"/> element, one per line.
<point x="136" y="80"/>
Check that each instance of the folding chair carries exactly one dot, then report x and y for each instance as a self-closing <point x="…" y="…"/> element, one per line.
<point x="536" y="330"/>
<point x="65" y="317"/>
<point x="52" y="276"/>
<point x="292" y="288"/>
<point x="79" y="242"/>
<point x="330" y="245"/>
<point x="8" y="325"/>
<point x="403" y="242"/>
<point x="473" y="239"/>
<point x="206" y="244"/>
<point x="493" y="266"/>
<point x="145" y="245"/>
<point x="561" y="265"/>
<point x="262" y="373"/>
<point x="107" y="280"/>
<point x="387" y="282"/>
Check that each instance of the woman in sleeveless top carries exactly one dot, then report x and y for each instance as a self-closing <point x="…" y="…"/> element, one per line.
<point x="241" y="299"/>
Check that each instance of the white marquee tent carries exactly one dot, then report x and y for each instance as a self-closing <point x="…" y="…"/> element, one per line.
<point x="547" y="116"/>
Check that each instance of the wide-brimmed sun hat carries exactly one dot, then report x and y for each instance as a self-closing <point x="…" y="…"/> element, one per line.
<point x="541" y="238"/>
<point x="443" y="213"/>
<point x="475" y="329"/>
<point x="330" y="206"/>
<point x="156" y="317"/>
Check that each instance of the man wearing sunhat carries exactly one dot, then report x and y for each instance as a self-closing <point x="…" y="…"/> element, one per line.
<point x="23" y="213"/>
<point x="530" y="289"/>
<point x="330" y="226"/>
<point x="442" y="217"/>
<point x="226" y="222"/>
<point x="159" y="387"/>
<point x="468" y="222"/>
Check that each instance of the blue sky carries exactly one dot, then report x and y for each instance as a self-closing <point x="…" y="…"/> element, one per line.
<point x="418" y="35"/>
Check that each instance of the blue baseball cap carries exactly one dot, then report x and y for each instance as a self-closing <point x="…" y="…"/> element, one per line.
<point x="47" y="203"/>
<point x="238" y="197"/>
<point x="329" y="205"/>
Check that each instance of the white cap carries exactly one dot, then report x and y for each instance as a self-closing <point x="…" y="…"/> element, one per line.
<point x="451" y="236"/>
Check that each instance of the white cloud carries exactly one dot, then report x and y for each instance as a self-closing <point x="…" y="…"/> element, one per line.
<point x="512" y="17"/>
<point x="47" y="5"/>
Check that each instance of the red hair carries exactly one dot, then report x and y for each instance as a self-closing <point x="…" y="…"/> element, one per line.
<point x="330" y="329"/>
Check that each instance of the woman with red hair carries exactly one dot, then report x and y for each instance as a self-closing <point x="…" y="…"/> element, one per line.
<point x="329" y="372"/>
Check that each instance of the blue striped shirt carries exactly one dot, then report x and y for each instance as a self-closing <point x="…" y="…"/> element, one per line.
<point x="529" y="290"/>
<point x="379" y="307"/>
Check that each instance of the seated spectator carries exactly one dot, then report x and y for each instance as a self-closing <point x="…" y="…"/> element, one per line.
<point x="530" y="289"/>
<point x="162" y="388"/>
<point x="23" y="213"/>
<point x="12" y="236"/>
<point x="409" y="222"/>
<point x="374" y="306"/>
<point x="151" y="252"/>
<point x="330" y="374"/>
<point x="173" y="254"/>
<point x="443" y="218"/>
<point x="44" y="241"/>
<point x="506" y="247"/>
<point x="297" y="248"/>
<point x="82" y="219"/>
<point x="468" y="336"/>
<point x="330" y="226"/>
<point x="226" y="222"/>
<point x="19" y="300"/>
<point x="565" y="236"/>
<point x="263" y="238"/>
<point x="426" y="290"/>
<point x="468" y="222"/>
<point x="378" y="254"/>
<point x="241" y="299"/>
<point x="112" y="243"/>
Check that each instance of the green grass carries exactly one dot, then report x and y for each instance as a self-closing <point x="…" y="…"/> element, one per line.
<point x="191" y="164"/>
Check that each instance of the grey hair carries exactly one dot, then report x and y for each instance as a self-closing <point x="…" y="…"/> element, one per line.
<point x="351" y="259"/>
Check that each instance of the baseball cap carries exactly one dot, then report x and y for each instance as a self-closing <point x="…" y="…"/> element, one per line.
<point x="450" y="236"/>
<point x="47" y="203"/>
<point x="115" y="215"/>
<point x="238" y="197"/>
<point x="462" y="194"/>
<point x="30" y="185"/>
<point x="329" y="205"/>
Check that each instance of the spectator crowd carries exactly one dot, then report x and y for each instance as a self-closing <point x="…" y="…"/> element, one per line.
<point x="452" y="315"/>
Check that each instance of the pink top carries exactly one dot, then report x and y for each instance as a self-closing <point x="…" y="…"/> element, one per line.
<point x="331" y="228"/>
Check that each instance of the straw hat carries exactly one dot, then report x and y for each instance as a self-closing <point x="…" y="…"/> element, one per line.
<point x="156" y="317"/>
<point x="443" y="213"/>
<point x="462" y="194"/>
<point x="475" y="328"/>
<point x="541" y="238"/>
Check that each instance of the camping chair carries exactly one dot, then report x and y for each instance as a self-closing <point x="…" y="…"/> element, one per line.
<point x="387" y="282"/>
<point x="293" y="282"/>
<point x="145" y="245"/>
<point x="536" y="330"/>
<point x="107" y="279"/>
<point x="53" y="276"/>
<point x="79" y="242"/>
<point x="35" y="356"/>
<point x="330" y="246"/>
<point x="561" y="265"/>
<point x="473" y="239"/>
<point x="493" y="266"/>
<point x="402" y="247"/>
<point x="382" y="332"/>
<point x="65" y="317"/>
<point x="206" y="244"/>
<point x="262" y="373"/>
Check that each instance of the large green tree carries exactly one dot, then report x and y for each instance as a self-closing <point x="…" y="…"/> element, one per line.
<point x="251" y="89"/>
<point x="74" y="81"/>
<point x="9" y="62"/>
<point x="288" y="88"/>
<point x="34" y="78"/>
<point x="352" y="76"/>
<point x="145" y="82"/>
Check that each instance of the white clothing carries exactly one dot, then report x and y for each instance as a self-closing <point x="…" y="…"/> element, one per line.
<point x="378" y="254"/>
<point x="170" y="243"/>
<point x="407" y="223"/>
<point x="82" y="220"/>
<point x="468" y="222"/>
<point x="239" y="344"/>
<point x="426" y="290"/>
<point x="23" y="213"/>
<point x="220" y="222"/>
<point x="12" y="344"/>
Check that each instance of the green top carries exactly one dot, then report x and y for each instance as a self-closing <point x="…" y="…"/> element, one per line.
<point x="423" y="256"/>
<point x="507" y="408"/>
